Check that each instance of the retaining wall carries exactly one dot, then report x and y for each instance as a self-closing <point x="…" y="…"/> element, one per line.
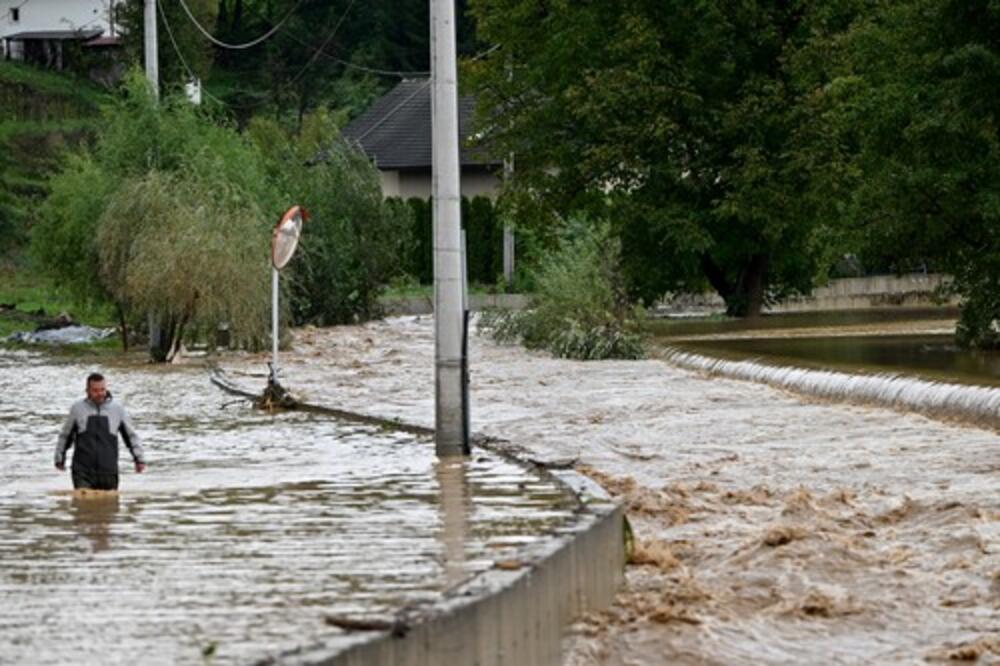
<point x="512" y="615"/>
<point x="503" y="617"/>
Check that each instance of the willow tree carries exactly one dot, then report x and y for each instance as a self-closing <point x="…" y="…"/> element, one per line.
<point x="684" y="118"/>
<point x="190" y="249"/>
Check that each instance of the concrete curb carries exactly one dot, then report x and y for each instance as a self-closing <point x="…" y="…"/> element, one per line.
<point x="513" y="615"/>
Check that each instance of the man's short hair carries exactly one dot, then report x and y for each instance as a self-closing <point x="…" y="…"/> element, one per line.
<point x="94" y="377"/>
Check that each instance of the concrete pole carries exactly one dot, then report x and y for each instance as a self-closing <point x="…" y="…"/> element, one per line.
<point x="152" y="60"/>
<point x="449" y="417"/>
<point x="153" y="76"/>
<point x="508" y="230"/>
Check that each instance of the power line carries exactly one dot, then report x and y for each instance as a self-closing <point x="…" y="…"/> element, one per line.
<point x="187" y="68"/>
<point x="11" y="10"/>
<point x="245" y="45"/>
<point x="177" y="50"/>
<point x="325" y="42"/>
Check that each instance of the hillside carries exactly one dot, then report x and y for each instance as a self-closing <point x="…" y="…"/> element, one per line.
<point x="42" y="114"/>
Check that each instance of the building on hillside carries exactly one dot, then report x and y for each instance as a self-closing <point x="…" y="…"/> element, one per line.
<point x="395" y="133"/>
<point x="40" y="31"/>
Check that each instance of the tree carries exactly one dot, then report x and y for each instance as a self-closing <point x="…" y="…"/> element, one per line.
<point x="190" y="248"/>
<point x="101" y="190"/>
<point x="918" y="144"/>
<point x="195" y="51"/>
<point x="352" y="243"/>
<point x="682" y="121"/>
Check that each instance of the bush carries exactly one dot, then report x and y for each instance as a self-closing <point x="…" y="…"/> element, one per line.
<point x="580" y="309"/>
<point x="354" y="239"/>
<point x="190" y="249"/>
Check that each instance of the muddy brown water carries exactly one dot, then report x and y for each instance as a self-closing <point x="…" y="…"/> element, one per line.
<point x="896" y="341"/>
<point x="245" y="532"/>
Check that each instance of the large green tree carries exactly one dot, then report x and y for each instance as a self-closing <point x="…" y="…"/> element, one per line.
<point x="913" y="127"/>
<point x="688" y="120"/>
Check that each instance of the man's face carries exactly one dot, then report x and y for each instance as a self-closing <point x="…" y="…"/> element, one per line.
<point x="96" y="392"/>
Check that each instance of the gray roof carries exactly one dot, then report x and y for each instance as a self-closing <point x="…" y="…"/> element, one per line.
<point x="54" y="35"/>
<point x="396" y="131"/>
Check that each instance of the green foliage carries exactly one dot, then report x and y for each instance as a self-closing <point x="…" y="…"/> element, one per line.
<point x="353" y="239"/>
<point x="189" y="247"/>
<point x="42" y="114"/>
<point x="65" y="240"/>
<point x="196" y="51"/>
<point x="913" y="145"/>
<point x="682" y="121"/>
<point x="483" y="237"/>
<point x="160" y="174"/>
<point x="580" y="309"/>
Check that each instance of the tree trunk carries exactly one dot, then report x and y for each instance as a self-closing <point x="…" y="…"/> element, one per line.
<point x="753" y="283"/>
<point x="161" y="344"/>
<point x="745" y="297"/>
<point x="123" y="326"/>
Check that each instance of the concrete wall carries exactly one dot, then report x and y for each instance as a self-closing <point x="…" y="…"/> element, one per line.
<point x="878" y="291"/>
<point x="503" y="617"/>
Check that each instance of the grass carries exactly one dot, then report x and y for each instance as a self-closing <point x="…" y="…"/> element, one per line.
<point x="51" y="83"/>
<point x="30" y="293"/>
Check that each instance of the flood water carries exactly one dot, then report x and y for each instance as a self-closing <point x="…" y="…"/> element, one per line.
<point x="246" y="530"/>
<point x="867" y="341"/>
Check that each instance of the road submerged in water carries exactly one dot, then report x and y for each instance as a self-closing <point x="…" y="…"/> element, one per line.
<point x="772" y="529"/>
<point x="247" y="532"/>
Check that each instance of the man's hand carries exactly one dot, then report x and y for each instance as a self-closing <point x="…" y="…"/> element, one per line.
<point x="140" y="467"/>
<point x="61" y="467"/>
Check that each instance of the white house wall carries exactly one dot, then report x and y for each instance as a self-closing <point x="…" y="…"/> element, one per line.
<point x="410" y="184"/>
<point x="48" y="15"/>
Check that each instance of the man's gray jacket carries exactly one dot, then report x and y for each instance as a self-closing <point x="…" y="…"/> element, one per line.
<point x="94" y="429"/>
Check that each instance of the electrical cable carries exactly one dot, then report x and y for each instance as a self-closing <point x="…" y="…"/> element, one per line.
<point x="322" y="46"/>
<point x="10" y="10"/>
<point x="245" y="45"/>
<point x="180" y="56"/>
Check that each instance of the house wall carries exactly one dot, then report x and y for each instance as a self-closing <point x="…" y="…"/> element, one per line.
<point x="417" y="184"/>
<point x="53" y="15"/>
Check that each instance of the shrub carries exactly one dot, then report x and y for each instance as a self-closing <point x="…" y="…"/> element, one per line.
<point x="190" y="249"/>
<point x="580" y="309"/>
<point x="353" y="241"/>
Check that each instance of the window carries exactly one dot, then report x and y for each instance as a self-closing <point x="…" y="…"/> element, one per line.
<point x="15" y="14"/>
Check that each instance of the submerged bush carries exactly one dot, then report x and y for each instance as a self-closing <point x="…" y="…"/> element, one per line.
<point x="580" y="308"/>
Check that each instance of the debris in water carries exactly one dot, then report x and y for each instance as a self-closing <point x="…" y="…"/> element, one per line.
<point x="655" y="553"/>
<point x="780" y="535"/>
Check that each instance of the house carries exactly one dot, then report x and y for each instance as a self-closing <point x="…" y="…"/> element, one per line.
<point x="395" y="133"/>
<point x="39" y="31"/>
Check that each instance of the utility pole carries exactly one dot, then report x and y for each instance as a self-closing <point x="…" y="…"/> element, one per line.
<point x="149" y="36"/>
<point x="449" y="318"/>
<point x="153" y="76"/>
<point x="508" y="230"/>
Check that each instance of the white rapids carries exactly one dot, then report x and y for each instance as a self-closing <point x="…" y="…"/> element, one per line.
<point x="976" y="404"/>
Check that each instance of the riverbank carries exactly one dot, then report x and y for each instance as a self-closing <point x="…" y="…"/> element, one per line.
<point x="771" y="529"/>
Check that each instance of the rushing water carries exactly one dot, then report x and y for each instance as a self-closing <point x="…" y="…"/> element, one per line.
<point x="244" y="533"/>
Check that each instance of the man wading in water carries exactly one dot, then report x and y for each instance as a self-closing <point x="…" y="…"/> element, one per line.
<point x="94" y="423"/>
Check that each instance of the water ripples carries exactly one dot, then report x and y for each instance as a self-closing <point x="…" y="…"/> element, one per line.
<point x="244" y="533"/>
